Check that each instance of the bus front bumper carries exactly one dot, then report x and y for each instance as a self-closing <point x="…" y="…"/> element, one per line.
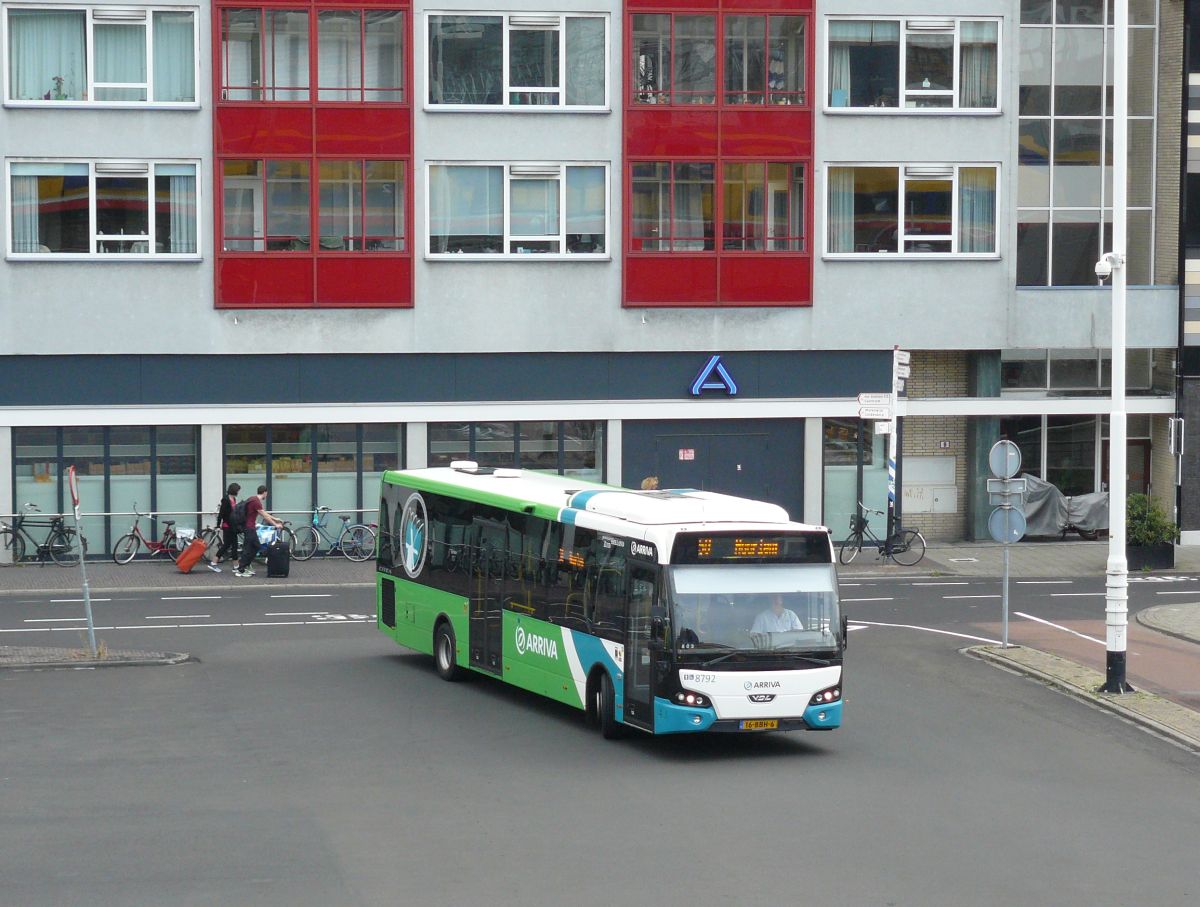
<point x="677" y="719"/>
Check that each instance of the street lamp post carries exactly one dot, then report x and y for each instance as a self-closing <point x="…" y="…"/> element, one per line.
<point x="1116" y="595"/>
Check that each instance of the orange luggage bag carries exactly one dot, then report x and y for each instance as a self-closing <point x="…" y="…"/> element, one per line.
<point x="190" y="556"/>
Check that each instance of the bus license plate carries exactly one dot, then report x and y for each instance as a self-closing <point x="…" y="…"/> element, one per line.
<point x="759" y="724"/>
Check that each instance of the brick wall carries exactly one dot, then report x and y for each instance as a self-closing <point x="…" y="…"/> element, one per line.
<point x="1170" y="99"/>
<point x="939" y="374"/>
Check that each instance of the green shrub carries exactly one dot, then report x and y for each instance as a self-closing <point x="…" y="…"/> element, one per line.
<point x="1146" y="523"/>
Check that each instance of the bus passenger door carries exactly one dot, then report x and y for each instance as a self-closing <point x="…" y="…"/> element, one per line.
<point x="487" y="595"/>
<point x="639" y="660"/>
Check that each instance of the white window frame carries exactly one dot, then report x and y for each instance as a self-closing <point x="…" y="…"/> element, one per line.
<point x="108" y="167"/>
<point x="140" y="13"/>
<point x="916" y="171"/>
<point x="505" y="105"/>
<point x="525" y="170"/>
<point x="926" y="25"/>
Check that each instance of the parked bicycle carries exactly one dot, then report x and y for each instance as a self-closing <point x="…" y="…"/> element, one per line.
<point x="131" y="543"/>
<point x="356" y="540"/>
<point x="904" y="546"/>
<point x="59" y="545"/>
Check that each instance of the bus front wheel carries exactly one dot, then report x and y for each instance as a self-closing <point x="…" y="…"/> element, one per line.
<point x="606" y="709"/>
<point x="444" y="653"/>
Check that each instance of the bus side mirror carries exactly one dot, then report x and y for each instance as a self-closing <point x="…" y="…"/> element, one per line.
<point x="845" y="630"/>
<point x="657" y="628"/>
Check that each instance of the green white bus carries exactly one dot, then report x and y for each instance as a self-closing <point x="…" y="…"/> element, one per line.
<point x="668" y="611"/>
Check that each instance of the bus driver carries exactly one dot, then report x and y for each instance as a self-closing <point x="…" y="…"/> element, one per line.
<point x="776" y="618"/>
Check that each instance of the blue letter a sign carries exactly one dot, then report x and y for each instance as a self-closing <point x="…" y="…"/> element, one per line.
<point x="714" y="377"/>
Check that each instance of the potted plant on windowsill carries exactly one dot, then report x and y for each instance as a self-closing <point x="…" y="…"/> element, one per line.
<point x="1149" y="535"/>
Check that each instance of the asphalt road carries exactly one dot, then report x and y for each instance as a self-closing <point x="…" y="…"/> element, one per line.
<point x="305" y="760"/>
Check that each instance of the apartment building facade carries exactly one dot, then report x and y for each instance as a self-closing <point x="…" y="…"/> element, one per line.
<point x="302" y="243"/>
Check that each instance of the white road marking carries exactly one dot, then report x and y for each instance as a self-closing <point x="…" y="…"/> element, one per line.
<point x="279" y="623"/>
<point x="61" y="601"/>
<point x="964" y="583"/>
<point x="175" y="616"/>
<point x="187" y="598"/>
<point x="868" y="599"/>
<point x="181" y="626"/>
<point x="1059" y="627"/>
<point x="948" y="597"/>
<point x="1174" y="592"/>
<point x="868" y="623"/>
<point x="50" y="620"/>
<point x="292" y="613"/>
<point x="1045" y="582"/>
<point x="305" y="595"/>
<point x="1076" y="594"/>
<point x="275" y="623"/>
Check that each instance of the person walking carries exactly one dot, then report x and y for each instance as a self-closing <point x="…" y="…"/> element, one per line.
<point x="228" y="549"/>
<point x="255" y="508"/>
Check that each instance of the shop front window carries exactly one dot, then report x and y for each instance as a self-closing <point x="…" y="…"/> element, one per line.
<point x="564" y="448"/>
<point x="841" y="457"/>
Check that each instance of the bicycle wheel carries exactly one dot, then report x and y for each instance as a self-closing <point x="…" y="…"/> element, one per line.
<point x="357" y="542"/>
<point x="908" y="547"/>
<point x="126" y="548"/>
<point x="850" y="549"/>
<point x="306" y="544"/>
<point x="12" y="547"/>
<point x="286" y="532"/>
<point x="62" y="546"/>
<point x="211" y="538"/>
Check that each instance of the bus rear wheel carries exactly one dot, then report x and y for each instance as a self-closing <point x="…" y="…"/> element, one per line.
<point x="606" y="709"/>
<point x="444" y="657"/>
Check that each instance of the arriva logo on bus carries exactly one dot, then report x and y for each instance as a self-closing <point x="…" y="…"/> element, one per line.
<point x="539" y="645"/>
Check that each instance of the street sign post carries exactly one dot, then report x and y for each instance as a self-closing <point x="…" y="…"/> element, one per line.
<point x="1007" y="522"/>
<point x="875" y="412"/>
<point x="73" y="486"/>
<point x="874" y="399"/>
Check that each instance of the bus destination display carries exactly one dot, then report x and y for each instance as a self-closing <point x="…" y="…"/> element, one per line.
<point x="727" y="547"/>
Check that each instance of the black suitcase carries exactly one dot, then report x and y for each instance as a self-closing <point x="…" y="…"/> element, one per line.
<point x="279" y="558"/>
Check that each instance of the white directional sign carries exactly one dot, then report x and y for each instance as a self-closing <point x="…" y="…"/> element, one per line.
<point x="874" y="399"/>
<point x="874" y="412"/>
<point x="883" y="428"/>
<point x="903" y="371"/>
<point x="903" y="357"/>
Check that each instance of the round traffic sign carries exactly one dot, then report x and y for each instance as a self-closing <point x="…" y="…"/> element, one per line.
<point x="1007" y="525"/>
<point x="1004" y="459"/>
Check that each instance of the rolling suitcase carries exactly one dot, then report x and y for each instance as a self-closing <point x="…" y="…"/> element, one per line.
<point x="190" y="556"/>
<point x="279" y="558"/>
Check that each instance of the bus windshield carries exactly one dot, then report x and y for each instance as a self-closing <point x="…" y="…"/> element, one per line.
<point x="754" y="607"/>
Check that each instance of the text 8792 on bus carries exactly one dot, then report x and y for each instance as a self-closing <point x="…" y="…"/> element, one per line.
<point x="665" y="611"/>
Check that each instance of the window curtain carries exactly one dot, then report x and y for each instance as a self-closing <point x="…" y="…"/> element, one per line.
<point x="286" y="53"/>
<point x="120" y="51"/>
<point x="339" y="58"/>
<point x="174" y="57"/>
<point x="47" y="58"/>
<point x="585" y="61"/>
<point x="466" y="209"/>
<point x="977" y="64"/>
<point x="842" y="35"/>
<point x="841" y="209"/>
<point x="183" y="208"/>
<point x="977" y="209"/>
<point x="383" y="66"/>
<point x="25" y="214"/>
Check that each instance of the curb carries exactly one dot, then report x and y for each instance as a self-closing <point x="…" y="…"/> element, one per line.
<point x="1178" y="723"/>
<point x="1151" y="622"/>
<point x="115" y="660"/>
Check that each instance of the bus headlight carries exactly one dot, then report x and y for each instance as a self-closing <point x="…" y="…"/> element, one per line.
<point x="687" y="697"/>
<point x="826" y="696"/>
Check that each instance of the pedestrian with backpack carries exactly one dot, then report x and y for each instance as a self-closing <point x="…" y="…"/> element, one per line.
<point x="245" y="515"/>
<point x="229" y="528"/>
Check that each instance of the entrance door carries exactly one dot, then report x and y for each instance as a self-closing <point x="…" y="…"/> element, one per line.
<point x="728" y="463"/>
<point x="487" y="595"/>
<point x="639" y="661"/>
<point x="1137" y="466"/>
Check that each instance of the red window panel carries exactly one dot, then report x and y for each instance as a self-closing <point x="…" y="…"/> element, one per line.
<point x="761" y="212"/>
<point x="727" y="59"/>
<point x="313" y="142"/>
